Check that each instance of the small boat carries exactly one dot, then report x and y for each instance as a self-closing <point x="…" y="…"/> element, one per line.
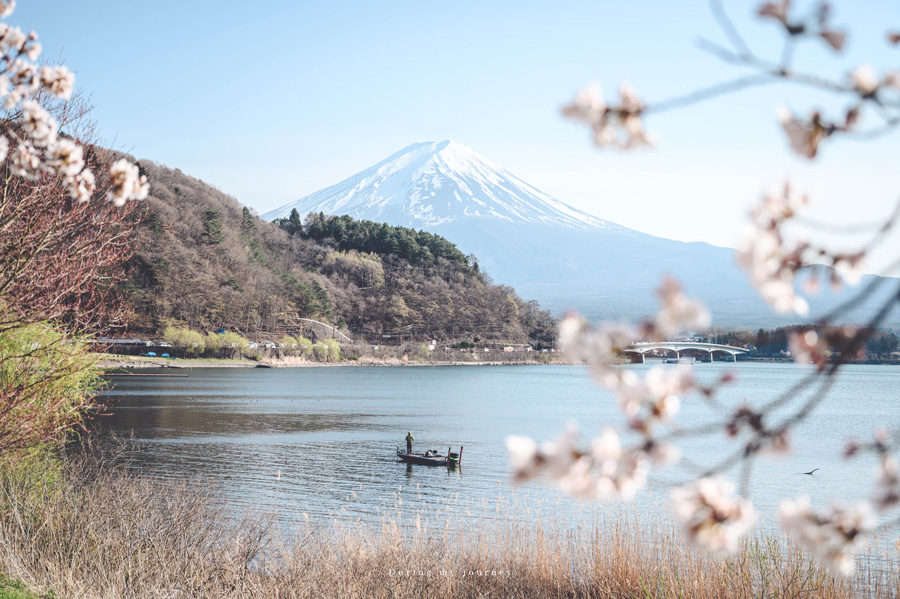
<point x="685" y="360"/>
<point x="431" y="458"/>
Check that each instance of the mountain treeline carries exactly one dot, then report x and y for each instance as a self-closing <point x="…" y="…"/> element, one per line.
<point x="773" y="342"/>
<point x="419" y="248"/>
<point x="206" y="263"/>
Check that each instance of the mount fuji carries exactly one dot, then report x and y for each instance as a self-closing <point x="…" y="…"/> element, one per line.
<point x="546" y="249"/>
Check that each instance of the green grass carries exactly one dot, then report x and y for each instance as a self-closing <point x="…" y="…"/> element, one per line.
<point x="16" y="589"/>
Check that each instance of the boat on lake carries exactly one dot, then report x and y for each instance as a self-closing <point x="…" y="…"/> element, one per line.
<point x="431" y="458"/>
<point x="685" y="360"/>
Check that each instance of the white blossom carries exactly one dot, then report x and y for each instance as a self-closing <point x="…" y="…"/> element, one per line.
<point x="710" y="517"/>
<point x="523" y="453"/>
<point x="779" y="203"/>
<point x="14" y="39"/>
<point x="7" y="7"/>
<point x="26" y="162"/>
<point x="607" y="471"/>
<point x="663" y="387"/>
<point x="598" y="347"/>
<point x="663" y="453"/>
<point x="807" y="347"/>
<point x="803" y="136"/>
<point x="33" y="47"/>
<point x="888" y="493"/>
<point x="25" y="77"/>
<point x="612" y="125"/>
<point x="126" y="183"/>
<point x="12" y="100"/>
<point x="34" y="131"/>
<point x="834" y="535"/>
<point x="850" y="269"/>
<point x="588" y="106"/>
<point x="66" y="157"/>
<point x="38" y="123"/>
<point x="59" y="81"/>
<point x="81" y="186"/>
<point x="678" y="313"/>
<point x="864" y="80"/>
<point x="763" y="252"/>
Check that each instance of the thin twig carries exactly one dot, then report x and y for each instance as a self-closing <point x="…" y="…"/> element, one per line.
<point x="710" y="92"/>
<point x="727" y="26"/>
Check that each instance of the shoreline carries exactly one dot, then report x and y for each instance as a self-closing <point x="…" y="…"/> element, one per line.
<point x="123" y="362"/>
<point x="138" y="362"/>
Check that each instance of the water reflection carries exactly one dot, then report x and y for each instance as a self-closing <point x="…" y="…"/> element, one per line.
<point x="332" y="434"/>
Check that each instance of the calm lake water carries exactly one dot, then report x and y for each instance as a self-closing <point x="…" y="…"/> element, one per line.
<point x="332" y="434"/>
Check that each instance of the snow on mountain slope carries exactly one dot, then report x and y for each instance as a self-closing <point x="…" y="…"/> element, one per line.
<point x="547" y="250"/>
<point x="435" y="183"/>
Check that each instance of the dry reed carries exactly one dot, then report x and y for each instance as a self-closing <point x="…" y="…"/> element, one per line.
<point x="96" y="531"/>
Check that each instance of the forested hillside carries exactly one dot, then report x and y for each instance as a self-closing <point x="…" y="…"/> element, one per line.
<point x="205" y="262"/>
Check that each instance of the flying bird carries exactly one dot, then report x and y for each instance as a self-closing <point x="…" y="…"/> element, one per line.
<point x="810" y="472"/>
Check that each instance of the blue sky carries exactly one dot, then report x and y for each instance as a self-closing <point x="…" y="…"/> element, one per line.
<point x="275" y="100"/>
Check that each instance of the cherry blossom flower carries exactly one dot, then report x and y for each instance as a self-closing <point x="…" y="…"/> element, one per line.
<point x="554" y="457"/>
<point x="804" y="136"/>
<point x="66" y="157"/>
<point x="13" y="39"/>
<point x="11" y="100"/>
<point x="41" y="152"/>
<point x="523" y="455"/>
<point x="835" y="39"/>
<point x="888" y="493"/>
<point x="864" y="80"/>
<point x="663" y="387"/>
<point x="832" y="536"/>
<point x="807" y="347"/>
<point x="678" y="313"/>
<point x="127" y="184"/>
<point x="818" y="28"/>
<point x="81" y="186"/>
<point x="26" y="162"/>
<point x="663" y="453"/>
<point x="598" y="347"/>
<point x="59" y="81"/>
<point x="607" y="471"/>
<point x="710" y="517"/>
<point x="891" y="79"/>
<point x="761" y="253"/>
<point x="770" y="261"/>
<point x="612" y="125"/>
<point x="38" y="123"/>
<point x="775" y="10"/>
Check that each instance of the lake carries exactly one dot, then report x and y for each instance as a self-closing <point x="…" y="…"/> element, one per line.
<point x="331" y="433"/>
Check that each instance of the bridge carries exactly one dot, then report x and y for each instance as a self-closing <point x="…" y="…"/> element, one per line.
<point x="678" y="346"/>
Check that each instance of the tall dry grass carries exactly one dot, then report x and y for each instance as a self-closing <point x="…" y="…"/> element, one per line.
<point x="91" y="530"/>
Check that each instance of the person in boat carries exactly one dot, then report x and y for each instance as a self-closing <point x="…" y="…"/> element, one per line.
<point x="409" y="440"/>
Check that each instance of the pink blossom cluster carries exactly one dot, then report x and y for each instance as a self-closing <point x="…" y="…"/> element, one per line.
<point x="29" y="136"/>
<point x="711" y="517"/>
<point x="617" y="125"/>
<point x="833" y="535"/>
<point x="818" y="26"/>
<point x="773" y="260"/>
<point x="605" y="471"/>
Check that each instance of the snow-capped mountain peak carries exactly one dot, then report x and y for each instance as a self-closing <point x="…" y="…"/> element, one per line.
<point x="436" y="183"/>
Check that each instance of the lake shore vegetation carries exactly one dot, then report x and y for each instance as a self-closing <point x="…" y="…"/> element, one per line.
<point x="97" y="530"/>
